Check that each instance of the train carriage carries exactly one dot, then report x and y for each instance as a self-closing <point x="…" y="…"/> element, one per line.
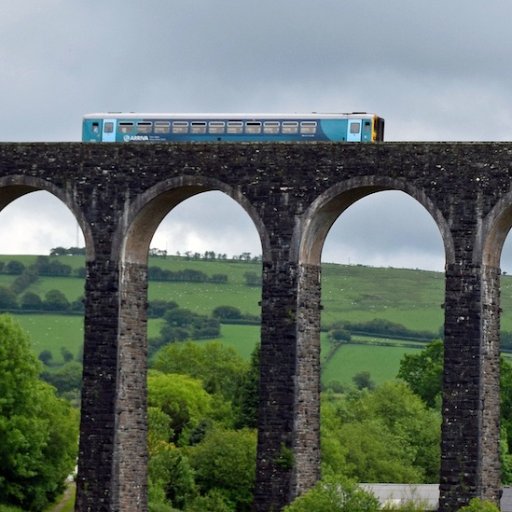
<point x="138" y="127"/>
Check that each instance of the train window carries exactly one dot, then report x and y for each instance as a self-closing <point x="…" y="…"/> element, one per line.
<point x="252" y="127"/>
<point x="144" y="127"/>
<point x="108" y="127"/>
<point x="355" y="127"/>
<point x="198" y="127"/>
<point x="125" y="126"/>
<point x="290" y="127"/>
<point x="308" y="127"/>
<point x="235" y="127"/>
<point x="162" y="127"/>
<point x="180" y="127"/>
<point x="271" y="126"/>
<point x="216" y="126"/>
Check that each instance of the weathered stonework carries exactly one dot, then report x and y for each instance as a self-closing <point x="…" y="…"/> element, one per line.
<point x="293" y="193"/>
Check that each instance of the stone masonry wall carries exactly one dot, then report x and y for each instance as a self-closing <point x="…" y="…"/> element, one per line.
<point x="293" y="193"/>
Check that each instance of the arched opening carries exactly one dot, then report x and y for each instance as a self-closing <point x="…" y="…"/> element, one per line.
<point x="204" y="257"/>
<point x="382" y="253"/>
<point x="42" y="270"/>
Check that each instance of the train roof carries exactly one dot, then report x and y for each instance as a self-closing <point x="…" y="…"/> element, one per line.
<point x="225" y="116"/>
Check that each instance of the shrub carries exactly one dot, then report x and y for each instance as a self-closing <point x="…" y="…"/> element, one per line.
<point x="479" y="505"/>
<point x="331" y="495"/>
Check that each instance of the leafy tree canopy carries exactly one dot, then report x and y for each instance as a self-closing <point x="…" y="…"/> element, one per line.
<point x="182" y="399"/>
<point x="424" y="372"/>
<point x="38" y="431"/>
<point x="220" y="368"/>
<point x="386" y="434"/>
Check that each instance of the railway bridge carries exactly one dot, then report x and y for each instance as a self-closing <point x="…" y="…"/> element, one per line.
<point x="293" y="193"/>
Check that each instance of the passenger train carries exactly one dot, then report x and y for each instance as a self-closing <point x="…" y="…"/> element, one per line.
<point x="136" y="127"/>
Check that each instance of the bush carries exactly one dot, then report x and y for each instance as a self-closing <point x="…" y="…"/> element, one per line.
<point x="225" y="463"/>
<point x="331" y="495"/>
<point x="479" y="505"/>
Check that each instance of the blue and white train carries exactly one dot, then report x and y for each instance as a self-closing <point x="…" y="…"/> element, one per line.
<point x="136" y="127"/>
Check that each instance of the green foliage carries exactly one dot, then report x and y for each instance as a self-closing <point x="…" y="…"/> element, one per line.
<point x="252" y="279"/>
<point x="32" y="301"/>
<point x="226" y="313"/>
<point x="65" y="378"/>
<point x="55" y="300"/>
<point x="220" y="368"/>
<point x="171" y="479"/>
<point x="225" y="461"/>
<point x="247" y="399"/>
<point x="213" y="501"/>
<point x="7" y="298"/>
<point x="46" y="357"/>
<point x="14" y="267"/>
<point x="363" y="380"/>
<point x="38" y="430"/>
<point x="8" y="508"/>
<point x="424" y="372"/>
<point x="479" y="505"/>
<point x="384" y="435"/>
<point x="182" y="399"/>
<point x="333" y="495"/>
<point x="408" y="506"/>
<point x="285" y="459"/>
<point x="339" y="335"/>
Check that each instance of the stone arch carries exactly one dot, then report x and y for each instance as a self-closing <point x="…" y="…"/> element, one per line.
<point x="16" y="186"/>
<point x="312" y="229"/>
<point x="130" y="248"/>
<point x="493" y="233"/>
<point x="143" y="216"/>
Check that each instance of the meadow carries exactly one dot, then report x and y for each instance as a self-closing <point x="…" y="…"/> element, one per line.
<point x="412" y="298"/>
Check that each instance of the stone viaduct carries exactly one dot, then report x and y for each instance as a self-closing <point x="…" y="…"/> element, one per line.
<point x="293" y="193"/>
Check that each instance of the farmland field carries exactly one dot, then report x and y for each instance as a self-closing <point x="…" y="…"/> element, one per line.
<point x="352" y="293"/>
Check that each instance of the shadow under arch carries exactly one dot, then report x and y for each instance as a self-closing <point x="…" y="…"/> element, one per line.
<point x="311" y="231"/>
<point x="14" y="187"/>
<point x="150" y="208"/>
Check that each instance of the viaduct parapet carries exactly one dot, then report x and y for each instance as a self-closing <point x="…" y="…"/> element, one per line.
<point x="293" y="193"/>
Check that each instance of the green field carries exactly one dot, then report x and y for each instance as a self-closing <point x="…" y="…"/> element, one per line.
<point x="412" y="298"/>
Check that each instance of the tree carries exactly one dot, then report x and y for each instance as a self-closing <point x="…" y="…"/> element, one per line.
<point x="335" y="495"/>
<point x="66" y="378"/>
<point x="14" y="267"/>
<point x="31" y="301"/>
<point x="182" y="399"/>
<point x="46" y="357"/>
<point x="225" y="461"/>
<point x="248" y="397"/>
<point x="386" y="434"/>
<point x="220" y="368"/>
<point x="38" y="430"/>
<point x="66" y="354"/>
<point x="7" y="298"/>
<point x="227" y="313"/>
<point x="55" y="300"/>
<point x="252" y="279"/>
<point x="424" y="372"/>
<point x="339" y="336"/>
<point x="363" y="380"/>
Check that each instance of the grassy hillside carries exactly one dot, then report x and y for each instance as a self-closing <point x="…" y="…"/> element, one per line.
<point x="412" y="298"/>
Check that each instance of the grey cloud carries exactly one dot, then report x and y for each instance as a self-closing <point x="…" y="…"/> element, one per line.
<point x="435" y="70"/>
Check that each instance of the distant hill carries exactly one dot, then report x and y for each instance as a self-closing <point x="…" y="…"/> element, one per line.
<point x="352" y="293"/>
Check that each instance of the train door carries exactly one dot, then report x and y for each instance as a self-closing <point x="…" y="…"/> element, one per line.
<point x="109" y="130"/>
<point x="354" y="130"/>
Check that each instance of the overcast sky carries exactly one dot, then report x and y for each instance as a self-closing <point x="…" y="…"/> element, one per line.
<point x="434" y="70"/>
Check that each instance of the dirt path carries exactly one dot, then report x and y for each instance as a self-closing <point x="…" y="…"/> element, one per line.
<point x="66" y="497"/>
